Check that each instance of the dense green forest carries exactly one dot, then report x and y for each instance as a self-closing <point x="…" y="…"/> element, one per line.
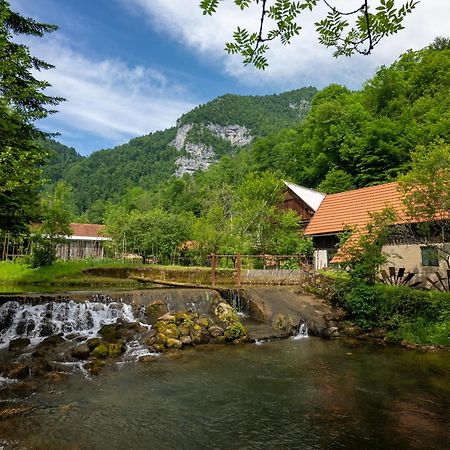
<point x="348" y="140"/>
<point x="149" y="160"/>
<point x="262" y="115"/>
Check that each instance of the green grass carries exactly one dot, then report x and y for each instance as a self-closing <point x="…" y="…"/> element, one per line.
<point x="14" y="273"/>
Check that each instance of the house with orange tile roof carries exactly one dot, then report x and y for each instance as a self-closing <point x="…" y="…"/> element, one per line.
<point x="352" y="210"/>
<point x="87" y="241"/>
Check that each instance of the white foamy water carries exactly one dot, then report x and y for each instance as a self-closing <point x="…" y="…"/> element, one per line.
<point x="38" y="321"/>
<point x="5" y="381"/>
<point x="136" y="350"/>
<point x="302" y="332"/>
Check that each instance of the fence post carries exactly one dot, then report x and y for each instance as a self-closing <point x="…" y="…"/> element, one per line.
<point x="238" y="270"/>
<point x="213" y="270"/>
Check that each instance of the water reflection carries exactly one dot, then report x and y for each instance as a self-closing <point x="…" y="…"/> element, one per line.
<point x="309" y="393"/>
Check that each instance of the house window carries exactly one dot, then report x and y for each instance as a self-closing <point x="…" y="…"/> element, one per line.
<point x="429" y="256"/>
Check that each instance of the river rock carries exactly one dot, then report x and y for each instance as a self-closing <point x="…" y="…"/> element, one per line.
<point x="55" y="377"/>
<point x="51" y="341"/>
<point x="41" y="366"/>
<point x="81" y="352"/>
<point x="170" y="330"/>
<point x="147" y="358"/>
<point x="16" y="345"/>
<point x="333" y="332"/>
<point x="215" y="331"/>
<point x="351" y="330"/>
<point x="186" y="340"/>
<point x="19" y="371"/>
<point x="184" y="330"/>
<point x="94" y="366"/>
<point x="101" y="351"/>
<point x="225" y="313"/>
<point x="47" y="328"/>
<point x="154" y="311"/>
<point x="93" y="342"/>
<point x="173" y="343"/>
<point x="167" y="318"/>
<point x="110" y="332"/>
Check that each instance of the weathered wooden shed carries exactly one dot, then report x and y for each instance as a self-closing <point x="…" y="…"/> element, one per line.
<point x="304" y="201"/>
<point x="87" y="241"/>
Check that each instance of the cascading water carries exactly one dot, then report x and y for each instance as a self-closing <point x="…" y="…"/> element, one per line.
<point x="239" y="303"/>
<point x="39" y="321"/>
<point x="302" y="332"/>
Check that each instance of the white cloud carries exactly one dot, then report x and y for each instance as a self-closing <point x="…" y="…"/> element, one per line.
<point x="107" y="98"/>
<point x="304" y="62"/>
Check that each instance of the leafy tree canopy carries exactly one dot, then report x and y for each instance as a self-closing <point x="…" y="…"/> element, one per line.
<point x="352" y="30"/>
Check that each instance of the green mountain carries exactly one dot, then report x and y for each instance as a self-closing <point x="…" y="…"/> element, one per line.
<point x="202" y="136"/>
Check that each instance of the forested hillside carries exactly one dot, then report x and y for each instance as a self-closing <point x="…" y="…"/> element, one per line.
<point x="355" y="139"/>
<point x="348" y="140"/>
<point x="202" y="137"/>
<point x="262" y="115"/>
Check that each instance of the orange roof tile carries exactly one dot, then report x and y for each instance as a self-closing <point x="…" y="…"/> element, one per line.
<point x="87" y="229"/>
<point x="352" y="208"/>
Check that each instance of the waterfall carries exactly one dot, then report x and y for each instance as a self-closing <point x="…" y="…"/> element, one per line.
<point x="40" y="320"/>
<point x="302" y="332"/>
<point x="240" y="304"/>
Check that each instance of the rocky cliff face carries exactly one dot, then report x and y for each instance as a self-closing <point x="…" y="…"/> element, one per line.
<point x="199" y="156"/>
<point x="236" y="134"/>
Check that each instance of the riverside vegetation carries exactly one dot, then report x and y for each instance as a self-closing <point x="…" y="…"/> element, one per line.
<point x="392" y="314"/>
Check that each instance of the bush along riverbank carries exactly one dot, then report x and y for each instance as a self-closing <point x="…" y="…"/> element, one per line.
<point x="388" y="314"/>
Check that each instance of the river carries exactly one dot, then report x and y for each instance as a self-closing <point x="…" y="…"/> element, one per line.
<point x="292" y="394"/>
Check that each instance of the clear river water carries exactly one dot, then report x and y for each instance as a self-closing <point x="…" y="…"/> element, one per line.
<point x="292" y="394"/>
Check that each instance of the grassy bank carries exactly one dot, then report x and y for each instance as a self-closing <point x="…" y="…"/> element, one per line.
<point x="62" y="273"/>
<point x="408" y="315"/>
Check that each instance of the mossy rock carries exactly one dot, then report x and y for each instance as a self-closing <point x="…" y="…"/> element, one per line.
<point x="182" y="317"/>
<point x="105" y="350"/>
<point x="101" y="351"/>
<point x="184" y="330"/>
<point x="351" y="331"/>
<point x="155" y="310"/>
<point x="173" y="343"/>
<point x="170" y="330"/>
<point x="225" y="313"/>
<point x="116" y="349"/>
<point x="203" y="322"/>
<point x="235" y="331"/>
<point x="82" y="351"/>
<point x="158" y="347"/>
<point x="219" y="340"/>
<point x="94" y="366"/>
<point x="169" y="318"/>
<point x="93" y="342"/>
<point x="186" y="340"/>
<point x="283" y="323"/>
<point x="110" y="332"/>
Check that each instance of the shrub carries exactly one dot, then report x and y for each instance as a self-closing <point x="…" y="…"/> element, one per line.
<point x="43" y="253"/>
<point x="408" y="314"/>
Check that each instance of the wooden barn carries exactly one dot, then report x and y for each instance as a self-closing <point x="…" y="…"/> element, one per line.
<point x="87" y="241"/>
<point x="304" y="201"/>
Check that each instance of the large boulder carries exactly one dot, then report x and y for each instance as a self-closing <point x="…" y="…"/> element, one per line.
<point x="17" y="345"/>
<point x="81" y="351"/>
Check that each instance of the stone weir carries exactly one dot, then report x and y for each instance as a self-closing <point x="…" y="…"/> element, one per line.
<point x="44" y="333"/>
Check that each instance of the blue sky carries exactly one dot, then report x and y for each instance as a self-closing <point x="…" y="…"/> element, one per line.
<point x="131" y="67"/>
